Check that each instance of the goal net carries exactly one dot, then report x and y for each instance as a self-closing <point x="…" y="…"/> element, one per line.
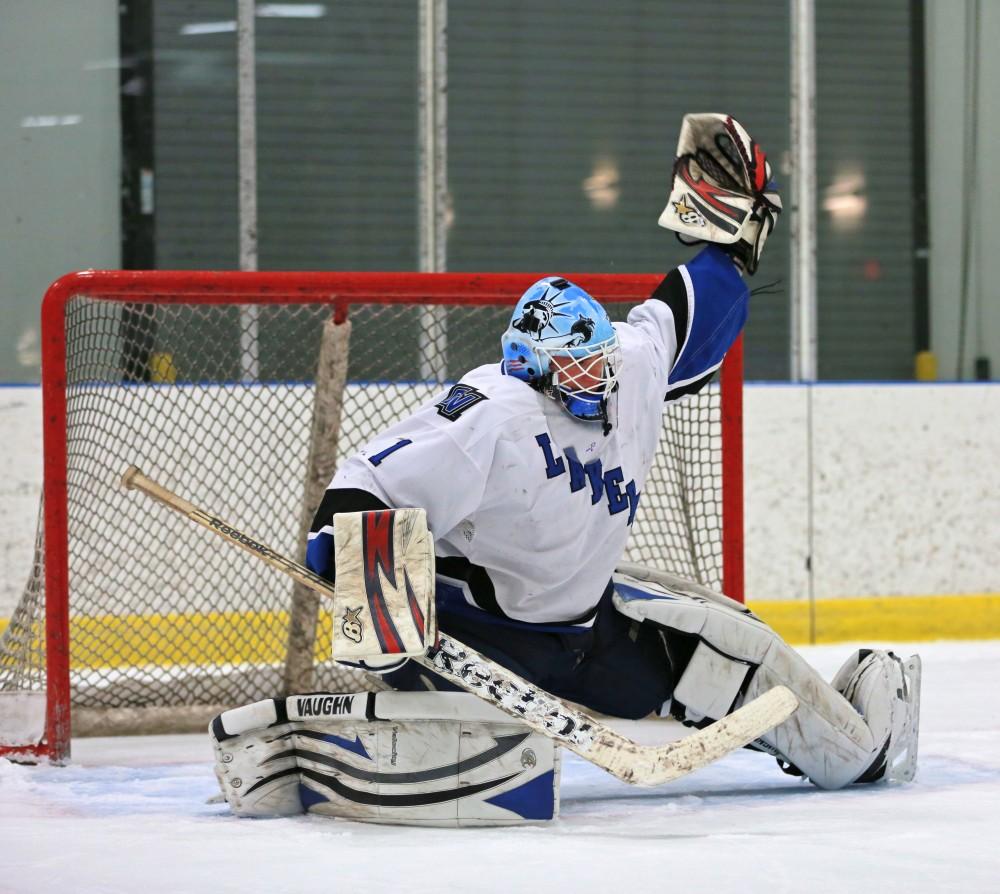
<point x="240" y="391"/>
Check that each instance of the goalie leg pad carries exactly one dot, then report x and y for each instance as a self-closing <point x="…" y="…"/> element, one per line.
<point x="433" y="759"/>
<point x="737" y="658"/>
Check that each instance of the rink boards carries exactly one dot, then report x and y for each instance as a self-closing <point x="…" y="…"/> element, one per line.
<point x="893" y="491"/>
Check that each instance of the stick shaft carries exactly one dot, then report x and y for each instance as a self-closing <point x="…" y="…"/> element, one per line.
<point x="133" y="479"/>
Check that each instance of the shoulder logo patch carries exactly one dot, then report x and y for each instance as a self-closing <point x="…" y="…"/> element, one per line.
<point x="459" y="399"/>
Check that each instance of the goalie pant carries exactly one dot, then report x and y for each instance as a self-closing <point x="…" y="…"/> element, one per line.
<point x="426" y="758"/>
<point x="664" y="644"/>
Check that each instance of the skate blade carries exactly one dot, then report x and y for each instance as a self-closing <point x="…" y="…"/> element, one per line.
<point x="901" y="762"/>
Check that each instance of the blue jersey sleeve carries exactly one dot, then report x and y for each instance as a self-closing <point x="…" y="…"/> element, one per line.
<point x="692" y="319"/>
<point x="718" y="301"/>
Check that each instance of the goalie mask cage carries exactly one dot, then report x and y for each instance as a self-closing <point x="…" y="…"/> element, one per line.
<point x="239" y="391"/>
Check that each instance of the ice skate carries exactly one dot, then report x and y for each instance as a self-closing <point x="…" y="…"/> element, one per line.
<point x="885" y="690"/>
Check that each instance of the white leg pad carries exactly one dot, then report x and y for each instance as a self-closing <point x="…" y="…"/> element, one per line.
<point x="424" y="758"/>
<point x="739" y="657"/>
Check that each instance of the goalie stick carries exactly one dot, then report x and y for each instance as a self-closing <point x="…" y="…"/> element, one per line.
<point x="575" y="729"/>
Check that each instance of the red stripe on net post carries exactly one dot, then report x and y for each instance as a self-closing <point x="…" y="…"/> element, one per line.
<point x="56" y="535"/>
<point x="732" y="472"/>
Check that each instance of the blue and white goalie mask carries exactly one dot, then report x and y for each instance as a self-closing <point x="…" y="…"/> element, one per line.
<point x="561" y="342"/>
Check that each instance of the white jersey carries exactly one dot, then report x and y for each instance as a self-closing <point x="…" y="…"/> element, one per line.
<point x="538" y="499"/>
<point x="516" y="485"/>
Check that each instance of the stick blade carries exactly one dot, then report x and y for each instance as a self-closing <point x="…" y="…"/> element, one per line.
<point x="734" y="731"/>
<point x="656" y="766"/>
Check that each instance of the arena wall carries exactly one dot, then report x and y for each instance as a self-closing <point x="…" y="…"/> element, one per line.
<point x="893" y="490"/>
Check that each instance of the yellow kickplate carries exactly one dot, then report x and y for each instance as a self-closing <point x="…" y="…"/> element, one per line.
<point x="220" y="638"/>
<point x="198" y="638"/>
<point x="880" y="618"/>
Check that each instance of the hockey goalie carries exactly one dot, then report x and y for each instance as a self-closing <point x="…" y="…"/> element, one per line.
<point x="500" y="511"/>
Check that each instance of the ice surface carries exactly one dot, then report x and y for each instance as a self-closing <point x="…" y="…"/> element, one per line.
<point x="130" y="815"/>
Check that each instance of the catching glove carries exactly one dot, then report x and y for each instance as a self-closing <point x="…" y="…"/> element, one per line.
<point x="722" y="190"/>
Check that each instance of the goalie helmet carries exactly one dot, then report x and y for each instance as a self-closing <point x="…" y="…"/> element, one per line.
<point x="562" y="343"/>
<point x="722" y="190"/>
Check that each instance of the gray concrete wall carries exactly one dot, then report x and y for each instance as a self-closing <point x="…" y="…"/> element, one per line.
<point x="60" y="145"/>
<point x="60" y="142"/>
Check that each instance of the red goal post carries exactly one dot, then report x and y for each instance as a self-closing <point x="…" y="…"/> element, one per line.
<point x="690" y="519"/>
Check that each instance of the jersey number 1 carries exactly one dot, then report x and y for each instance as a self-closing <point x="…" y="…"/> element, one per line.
<point x="376" y="460"/>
